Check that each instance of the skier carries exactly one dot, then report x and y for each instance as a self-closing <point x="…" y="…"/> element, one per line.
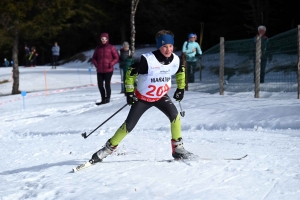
<point x="154" y="73"/>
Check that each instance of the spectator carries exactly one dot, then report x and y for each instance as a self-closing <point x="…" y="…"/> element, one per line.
<point x="104" y="58"/>
<point x="55" y="53"/>
<point x="264" y="54"/>
<point x="128" y="62"/>
<point x="6" y="63"/>
<point x="32" y="57"/>
<point x="27" y="54"/>
<point x="124" y="53"/>
<point x="192" y="50"/>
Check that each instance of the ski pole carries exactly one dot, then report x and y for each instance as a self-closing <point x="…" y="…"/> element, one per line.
<point x="84" y="134"/>
<point x="182" y="113"/>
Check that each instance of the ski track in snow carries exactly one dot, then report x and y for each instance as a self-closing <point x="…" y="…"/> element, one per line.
<point x="41" y="144"/>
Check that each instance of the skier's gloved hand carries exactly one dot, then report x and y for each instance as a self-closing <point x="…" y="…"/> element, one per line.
<point x="178" y="95"/>
<point x="131" y="98"/>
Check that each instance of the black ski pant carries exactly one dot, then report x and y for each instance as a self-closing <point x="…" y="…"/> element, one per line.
<point x="54" y="60"/>
<point x="263" y="65"/>
<point x="106" y="77"/>
<point x="26" y="61"/>
<point x="165" y="105"/>
<point x="191" y="67"/>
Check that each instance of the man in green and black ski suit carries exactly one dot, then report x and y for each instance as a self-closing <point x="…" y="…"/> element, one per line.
<point x="153" y="74"/>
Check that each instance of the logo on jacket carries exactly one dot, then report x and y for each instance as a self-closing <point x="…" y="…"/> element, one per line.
<point x="165" y="71"/>
<point x="156" y="67"/>
<point x="160" y="79"/>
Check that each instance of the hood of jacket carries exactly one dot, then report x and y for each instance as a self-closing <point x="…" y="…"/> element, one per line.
<point x="104" y="35"/>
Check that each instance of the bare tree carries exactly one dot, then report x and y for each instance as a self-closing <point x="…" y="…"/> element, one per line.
<point x="258" y="12"/>
<point x="134" y="4"/>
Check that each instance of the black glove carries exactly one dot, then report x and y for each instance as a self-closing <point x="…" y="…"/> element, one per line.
<point x="178" y="95"/>
<point x="131" y="98"/>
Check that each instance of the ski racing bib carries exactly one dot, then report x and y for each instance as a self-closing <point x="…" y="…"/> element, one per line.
<point x="154" y="85"/>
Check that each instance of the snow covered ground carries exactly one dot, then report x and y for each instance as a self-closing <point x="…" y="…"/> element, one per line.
<point x="40" y="143"/>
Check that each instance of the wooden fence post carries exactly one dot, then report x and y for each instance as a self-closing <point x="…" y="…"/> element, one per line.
<point x="257" y="66"/>
<point x="200" y="68"/>
<point x="221" y="69"/>
<point x="183" y="57"/>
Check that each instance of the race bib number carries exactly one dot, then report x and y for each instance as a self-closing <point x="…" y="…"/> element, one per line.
<point x="157" y="91"/>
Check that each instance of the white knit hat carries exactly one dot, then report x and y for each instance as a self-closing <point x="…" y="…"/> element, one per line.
<point x="262" y="27"/>
<point x="125" y="44"/>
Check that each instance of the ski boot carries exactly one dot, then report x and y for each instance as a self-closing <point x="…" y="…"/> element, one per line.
<point x="178" y="151"/>
<point x="103" y="153"/>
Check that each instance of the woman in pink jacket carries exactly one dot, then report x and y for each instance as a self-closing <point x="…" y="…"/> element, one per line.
<point x="104" y="58"/>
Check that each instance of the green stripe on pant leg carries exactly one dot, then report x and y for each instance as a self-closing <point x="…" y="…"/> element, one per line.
<point x="119" y="135"/>
<point x="176" y="128"/>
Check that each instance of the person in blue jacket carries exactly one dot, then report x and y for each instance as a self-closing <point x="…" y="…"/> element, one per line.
<point x="6" y="63"/>
<point x="192" y="51"/>
<point x="55" y="53"/>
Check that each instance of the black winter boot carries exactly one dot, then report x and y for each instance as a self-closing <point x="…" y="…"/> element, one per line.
<point x="107" y="100"/>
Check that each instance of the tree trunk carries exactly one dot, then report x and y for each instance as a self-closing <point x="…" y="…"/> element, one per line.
<point x="134" y="4"/>
<point x="15" y="87"/>
<point x="123" y="32"/>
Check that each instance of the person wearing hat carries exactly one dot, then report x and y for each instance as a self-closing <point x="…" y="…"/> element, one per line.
<point x="265" y="55"/>
<point x="32" y="57"/>
<point x="192" y="51"/>
<point x="55" y="54"/>
<point x="27" y="54"/>
<point x="104" y="58"/>
<point x="6" y="63"/>
<point x="124" y="53"/>
<point x="153" y="72"/>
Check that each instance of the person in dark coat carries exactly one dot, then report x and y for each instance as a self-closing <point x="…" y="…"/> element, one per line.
<point x="124" y="53"/>
<point x="104" y="58"/>
<point x="265" y="55"/>
<point x="27" y="54"/>
<point x="32" y="57"/>
<point x="154" y="80"/>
